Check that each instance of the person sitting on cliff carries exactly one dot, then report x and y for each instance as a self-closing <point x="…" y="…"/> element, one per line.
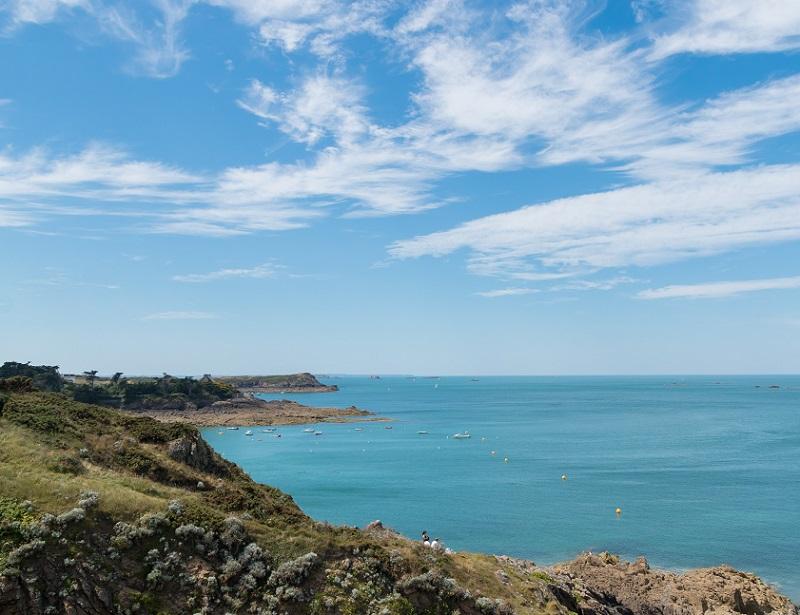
<point x="437" y="544"/>
<point x="426" y="540"/>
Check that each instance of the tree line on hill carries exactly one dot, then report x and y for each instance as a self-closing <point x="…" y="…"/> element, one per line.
<point x="117" y="391"/>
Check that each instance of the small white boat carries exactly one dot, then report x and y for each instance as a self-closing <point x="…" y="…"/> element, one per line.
<point x="233" y="428"/>
<point x="388" y="427"/>
<point x="359" y="429"/>
<point x="268" y="430"/>
<point x="309" y="430"/>
<point x="249" y="432"/>
<point x="461" y="436"/>
<point x="317" y="433"/>
<point x="422" y="433"/>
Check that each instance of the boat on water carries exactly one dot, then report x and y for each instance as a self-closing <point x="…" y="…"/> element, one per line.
<point x="317" y="433"/>
<point x="249" y="432"/>
<point x="359" y="429"/>
<point x="268" y="430"/>
<point x="462" y="435"/>
<point x="309" y="430"/>
<point x="233" y="428"/>
<point x="388" y="427"/>
<point x="422" y="432"/>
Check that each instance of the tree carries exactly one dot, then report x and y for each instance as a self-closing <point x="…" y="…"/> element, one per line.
<point x="90" y="376"/>
<point x="115" y="378"/>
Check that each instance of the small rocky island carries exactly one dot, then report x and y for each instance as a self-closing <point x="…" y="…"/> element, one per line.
<point x="293" y="383"/>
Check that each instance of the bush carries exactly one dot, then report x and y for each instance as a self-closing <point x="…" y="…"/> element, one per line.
<point x="16" y="384"/>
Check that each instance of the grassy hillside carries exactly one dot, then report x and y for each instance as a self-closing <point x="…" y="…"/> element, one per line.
<point x="103" y="512"/>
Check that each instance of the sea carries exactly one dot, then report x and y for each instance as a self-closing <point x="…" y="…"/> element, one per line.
<point x="704" y="470"/>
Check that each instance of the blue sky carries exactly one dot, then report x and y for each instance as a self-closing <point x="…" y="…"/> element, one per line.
<point x="441" y="187"/>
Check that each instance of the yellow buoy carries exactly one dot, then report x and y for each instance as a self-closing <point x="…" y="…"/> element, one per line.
<point x="563" y="477"/>
<point x="618" y="511"/>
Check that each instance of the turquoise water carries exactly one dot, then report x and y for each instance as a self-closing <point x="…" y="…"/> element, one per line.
<point x="706" y="470"/>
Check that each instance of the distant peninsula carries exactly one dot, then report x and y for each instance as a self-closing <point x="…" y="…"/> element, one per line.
<point x="292" y="383"/>
<point x="204" y="402"/>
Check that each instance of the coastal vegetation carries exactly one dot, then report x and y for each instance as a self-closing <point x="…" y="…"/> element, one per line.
<point x="102" y="511"/>
<point x="206" y="401"/>
<point x="118" y="391"/>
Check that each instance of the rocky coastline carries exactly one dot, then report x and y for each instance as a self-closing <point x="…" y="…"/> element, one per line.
<point x="250" y="412"/>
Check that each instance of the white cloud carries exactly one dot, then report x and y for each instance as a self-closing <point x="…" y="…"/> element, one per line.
<point x="733" y="26"/>
<point x="606" y="284"/>
<point x="104" y="181"/>
<point x="180" y="316"/>
<point x="506" y="292"/>
<point x="266" y="270"/>
<point x="713" y="290"/>
<point x="159" y="50"/>
<point x="39" y="11"/>
<point x="97" y="172"/>
<point x="640" y="225"/>
<point x="428" y="14"/>
<point x="322" y="106"/>
<point x="11" y="218"/>
<point x="319" y="25"/>
<point x="536" y="80"/>
<point x="499" y="91"/>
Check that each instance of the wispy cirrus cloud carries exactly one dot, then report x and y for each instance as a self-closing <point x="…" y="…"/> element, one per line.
<point x="159" y="51"/>
<point x="181" y="315"/>
<point x="102" y="180"/>
<point x="265" y="270"/>
<point x="20" y="12"/>
<point x="639" y="225"/>
<point x="153" y="29"/>
<point x="499" y="89"/>
<point x="732" y="26"/>
<point x="507" y="292"/>
<point x="714" y="290"/>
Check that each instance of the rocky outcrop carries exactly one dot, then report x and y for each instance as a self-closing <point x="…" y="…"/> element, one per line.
<point x="195" y="452"/>
<point x="606" y="584"/>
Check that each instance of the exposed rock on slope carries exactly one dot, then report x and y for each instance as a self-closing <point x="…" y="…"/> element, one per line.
<point x="603" y="579"/>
